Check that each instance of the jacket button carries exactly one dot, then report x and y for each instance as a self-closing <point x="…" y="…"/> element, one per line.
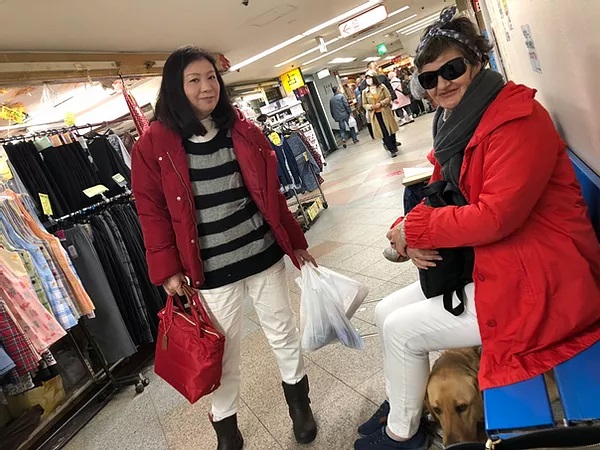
<point x="160" y="158"/>
<point x="193" y="241"/>
<point x="480" y="277"/>
<point x="197" y="283"/>
<point x="491" y="323"/>
<point x="178" y="199"/>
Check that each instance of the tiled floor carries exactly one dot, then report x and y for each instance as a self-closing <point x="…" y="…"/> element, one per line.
<point x="364" y="190"/>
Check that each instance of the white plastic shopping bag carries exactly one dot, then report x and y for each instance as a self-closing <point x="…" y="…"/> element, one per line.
<point x="352" y="123"/>
<point x="327" y="298"/>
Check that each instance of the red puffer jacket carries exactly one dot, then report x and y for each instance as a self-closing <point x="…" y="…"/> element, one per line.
<point x="537" y="259"/>
<point x="165" y="203"/>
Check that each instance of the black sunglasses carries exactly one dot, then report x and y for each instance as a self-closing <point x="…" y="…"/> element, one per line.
<point x="452" y="70"/>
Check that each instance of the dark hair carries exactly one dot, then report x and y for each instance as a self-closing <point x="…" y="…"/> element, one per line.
<point x="335" y="89"/>
<point x="375" y="79"/>
<point x="439" y="44"/>
<point x="174" y="110"/>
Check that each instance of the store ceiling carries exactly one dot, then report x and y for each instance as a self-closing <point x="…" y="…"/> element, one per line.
<point x="221" y="26"/>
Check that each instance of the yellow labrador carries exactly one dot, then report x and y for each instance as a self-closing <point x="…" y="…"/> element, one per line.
<point x="453" y="397"/>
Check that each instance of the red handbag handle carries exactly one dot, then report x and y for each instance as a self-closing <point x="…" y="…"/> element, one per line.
<point x="196" y="307"/>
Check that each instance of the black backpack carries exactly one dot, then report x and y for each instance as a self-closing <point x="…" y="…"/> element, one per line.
<point x="455" y="270"/>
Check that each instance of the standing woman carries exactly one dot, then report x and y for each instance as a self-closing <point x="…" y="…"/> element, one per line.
<point x="207" y="194"/>
<point x="377" y="101"/>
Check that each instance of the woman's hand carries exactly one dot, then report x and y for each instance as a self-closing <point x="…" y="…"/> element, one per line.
<point x="304" y="257"/>
<point x="397" y="239"/>
<point x="377" y="106"/>
<point x="176" y="284"/>
<point x="423" y="259"/>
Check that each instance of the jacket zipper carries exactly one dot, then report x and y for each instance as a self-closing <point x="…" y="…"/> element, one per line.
<point x="189" y="198"/>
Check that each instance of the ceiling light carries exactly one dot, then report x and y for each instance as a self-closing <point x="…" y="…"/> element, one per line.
<point x="342" y="60"/>
<point x="308" y="52"/>
<point x="398" y="11"/>
<point x="419" y="28"/>
<point x="389" y="58"/>
<point x="371" y="59"/>
<point x="419" y="22"/>
<point x="296" y="38"/>
<point x="360" y="39"/>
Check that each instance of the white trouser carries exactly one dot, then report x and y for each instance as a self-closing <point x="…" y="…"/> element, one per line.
<point x="410" y="327"/>
<point x="225" y="305"/>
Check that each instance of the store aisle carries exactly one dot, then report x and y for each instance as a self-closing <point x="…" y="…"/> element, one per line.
<point x="364" y="189"/>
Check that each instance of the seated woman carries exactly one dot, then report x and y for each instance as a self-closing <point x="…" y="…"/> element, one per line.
<point x="533" y="301"/>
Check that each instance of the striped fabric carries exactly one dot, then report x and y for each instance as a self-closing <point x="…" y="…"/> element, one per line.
<point x="235" y="240"/>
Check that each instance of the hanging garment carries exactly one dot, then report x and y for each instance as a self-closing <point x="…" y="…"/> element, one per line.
<point x="139" y="119"/>
<point x="313" y="151"/>
<point x="72" y="172"/>
<point x="287" y="168"/>
<point x="108" y="327"/>
<point x="56" y="296"/>
<point x="40" y="327"/>
<point x="83" y="302"/>
<point x="35" y="175"/>
<point x="119" y="147"/>
<point x="6" y="364"/>
<point x="121" y="284"/>
<point x="306" y="163"/>
<point x="16" y="344"/>
<point x="109" y="164"/>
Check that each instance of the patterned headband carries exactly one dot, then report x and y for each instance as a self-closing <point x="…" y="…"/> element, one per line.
<point x="437" y="30"/>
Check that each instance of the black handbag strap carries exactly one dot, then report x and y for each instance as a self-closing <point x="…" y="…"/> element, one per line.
<point x="460" y="308"/>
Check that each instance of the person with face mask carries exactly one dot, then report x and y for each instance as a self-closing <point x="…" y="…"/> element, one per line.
<point x="377" y="102"/>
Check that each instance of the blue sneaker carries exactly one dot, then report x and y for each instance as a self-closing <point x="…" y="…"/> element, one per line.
<point x="377" y="420"/>
<point x="381" y="441"/>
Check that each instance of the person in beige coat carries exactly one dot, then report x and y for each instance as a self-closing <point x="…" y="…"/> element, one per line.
<point x="377" y="101"/>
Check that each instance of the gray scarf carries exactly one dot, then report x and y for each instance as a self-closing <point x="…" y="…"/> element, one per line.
<point x="451" y="137"/>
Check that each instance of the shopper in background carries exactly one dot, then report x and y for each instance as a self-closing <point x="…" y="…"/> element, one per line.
<point x="519" y="206"/>
<point x="341" y="112"/>
<point x="207" y="194"/>
<point x="402" y="103"/>
<point x="377" y="101"/>
<point x="417" y="106"/>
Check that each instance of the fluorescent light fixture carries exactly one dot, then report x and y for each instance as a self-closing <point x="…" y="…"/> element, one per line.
<point x="371" y="59"/>
<point x="419" y="22"/>
<point x="308" y="52"/>
<point x="389" y="58"/>
<point x="414" y="30"/>
<point x="360" y="39"/>
<point x="335" y="20"/>
<point x="398" y="11"/>
<point x="342" y="60"/>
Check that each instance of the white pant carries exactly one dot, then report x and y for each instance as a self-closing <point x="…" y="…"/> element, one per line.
<point x="225" y="305"/>
<point x="410" y="327"/>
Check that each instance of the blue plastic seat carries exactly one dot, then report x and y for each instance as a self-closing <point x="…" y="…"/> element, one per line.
<point x="517" y="407"/>
<point x="578" y="382"/>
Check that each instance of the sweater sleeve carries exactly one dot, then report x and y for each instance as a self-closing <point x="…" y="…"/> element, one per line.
<point x="159" y="237"/>
<point x="518" y="163"/>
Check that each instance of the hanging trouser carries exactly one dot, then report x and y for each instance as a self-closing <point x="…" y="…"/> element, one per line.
<point x="108" y="327"/>
<point x="389" y="140"/>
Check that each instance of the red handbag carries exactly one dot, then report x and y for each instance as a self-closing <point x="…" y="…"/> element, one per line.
<point x="189" y="350"/>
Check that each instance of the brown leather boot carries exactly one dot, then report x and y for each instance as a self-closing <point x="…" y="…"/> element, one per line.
<point x="296" y="396"/>
<point x="228" y="434"/>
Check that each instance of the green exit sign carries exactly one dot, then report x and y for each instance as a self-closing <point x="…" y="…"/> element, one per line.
<point x="382" y="49"/>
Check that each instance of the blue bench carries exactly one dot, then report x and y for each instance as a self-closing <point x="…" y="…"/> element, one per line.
<point x="520" y="411"/>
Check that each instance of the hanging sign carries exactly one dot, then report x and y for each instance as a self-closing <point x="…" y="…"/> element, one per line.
<point x="275" y="138"/>
<point x="95" y="190"/>
<point x="69" y="119"/>
<point x="46" y="205"/>
<point x="292" y="80"/>
<point x="363" y="21"/>
<point x="11" y="114"/>
<point x="382" y="49"/>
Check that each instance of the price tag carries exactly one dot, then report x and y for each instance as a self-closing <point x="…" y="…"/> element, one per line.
<point x="95" y="190"/>
<point x="46" y="205"/>
<point x="275" y="138"/>
<point x="120" y="180"/>
<point x="5" y="172"/>
<point x="306" y="156"/>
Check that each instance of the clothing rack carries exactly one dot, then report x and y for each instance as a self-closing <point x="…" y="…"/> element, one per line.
<point x="54" y="131"/>
<point x="104" y="202"/>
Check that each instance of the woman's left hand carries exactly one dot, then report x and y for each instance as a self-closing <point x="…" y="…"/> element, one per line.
<point x="304" y="257"/>
<point x="396" y="238"/>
